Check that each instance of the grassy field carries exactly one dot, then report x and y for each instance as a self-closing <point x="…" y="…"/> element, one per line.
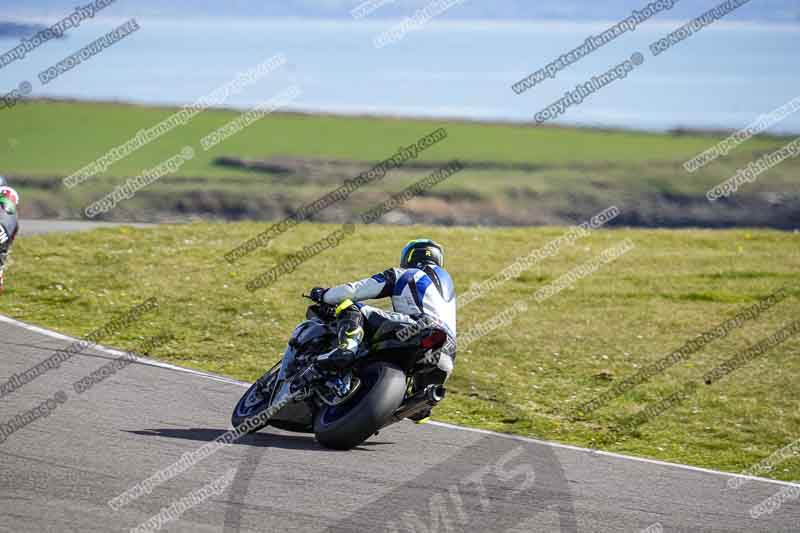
<point x="60" y="127"/>
<point x="515" y="175"/>
<point x="524" y="378"/>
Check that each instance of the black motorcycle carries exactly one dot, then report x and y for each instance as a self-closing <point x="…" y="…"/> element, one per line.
<point x="343" y="408"/>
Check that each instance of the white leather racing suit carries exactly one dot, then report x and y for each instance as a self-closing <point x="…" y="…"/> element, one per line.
<point x="416" y="293"/>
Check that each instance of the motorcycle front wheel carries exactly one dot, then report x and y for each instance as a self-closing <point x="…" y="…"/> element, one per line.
<point x="255" y="400"/>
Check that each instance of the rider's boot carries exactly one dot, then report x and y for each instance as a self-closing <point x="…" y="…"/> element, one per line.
<point x="350" y="333"/>
<point x="422" y="416"/>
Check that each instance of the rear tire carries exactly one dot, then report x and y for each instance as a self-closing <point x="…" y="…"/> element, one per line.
<point x="347" y="425"/>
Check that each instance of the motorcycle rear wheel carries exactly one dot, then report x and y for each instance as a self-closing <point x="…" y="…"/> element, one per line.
<point x="347" y="425"/>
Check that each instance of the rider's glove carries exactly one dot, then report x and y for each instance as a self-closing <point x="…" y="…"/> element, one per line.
<point x="317" y="294"/>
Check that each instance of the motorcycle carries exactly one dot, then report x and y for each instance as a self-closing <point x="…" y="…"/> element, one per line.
<point x="8" y="232"/>
<point x="343" y="408"/>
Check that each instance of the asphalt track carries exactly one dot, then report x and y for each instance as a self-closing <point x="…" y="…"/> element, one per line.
<point x="59" y="472"/>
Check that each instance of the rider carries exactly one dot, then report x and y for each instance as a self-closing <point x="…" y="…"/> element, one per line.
<point x="420" y="289"/>
<point x="8" y="223"/>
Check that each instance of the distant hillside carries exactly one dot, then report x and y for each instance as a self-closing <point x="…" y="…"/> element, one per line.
<point x="512" y="175"/>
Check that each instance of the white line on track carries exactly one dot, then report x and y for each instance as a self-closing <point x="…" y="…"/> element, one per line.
<point x="118" y="353"/>
<point x="153" y="362"/>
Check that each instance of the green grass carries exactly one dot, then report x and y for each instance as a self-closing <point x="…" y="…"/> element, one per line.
<point x="524" y="378"/>
<point x="72" y="134"/>
<point x="569" y="173"/>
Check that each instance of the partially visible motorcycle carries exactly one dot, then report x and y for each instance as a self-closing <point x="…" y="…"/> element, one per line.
<point x="8" y="232"/>
<point x="343" y="408"/>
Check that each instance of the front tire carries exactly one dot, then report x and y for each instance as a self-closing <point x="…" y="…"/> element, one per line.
<point x="347" y="425"/>
<point x="254" y="402"/>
